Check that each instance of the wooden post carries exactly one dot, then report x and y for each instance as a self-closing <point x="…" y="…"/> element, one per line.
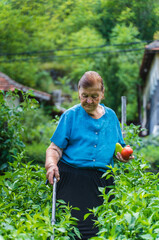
<point x="123" y="113"/>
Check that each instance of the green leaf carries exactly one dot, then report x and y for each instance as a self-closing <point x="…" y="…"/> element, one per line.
<point x="87" y="215"/>
<point x="147" y="236"/>
<point x="77" y="232"/>
<point x="128" y="217"/>
<point x="62" y="229"/>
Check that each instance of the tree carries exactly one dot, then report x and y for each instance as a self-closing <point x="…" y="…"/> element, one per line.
<point x="67" y="38"/>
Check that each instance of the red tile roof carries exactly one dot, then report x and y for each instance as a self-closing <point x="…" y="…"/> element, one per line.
<point x="7" y="83"/>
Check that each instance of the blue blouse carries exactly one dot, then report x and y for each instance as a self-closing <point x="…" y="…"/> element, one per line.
<point x="87" y="142"/>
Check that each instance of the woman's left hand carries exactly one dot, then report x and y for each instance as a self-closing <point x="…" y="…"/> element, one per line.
<point x="121" y="159"/>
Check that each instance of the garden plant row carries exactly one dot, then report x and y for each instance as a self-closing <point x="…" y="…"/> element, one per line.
<point x="25" y="206"/>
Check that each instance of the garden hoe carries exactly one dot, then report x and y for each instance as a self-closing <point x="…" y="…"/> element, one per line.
<point x="53" y="205"/>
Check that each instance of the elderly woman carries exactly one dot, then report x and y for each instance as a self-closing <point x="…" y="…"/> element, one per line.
<point x="82" y="148"/>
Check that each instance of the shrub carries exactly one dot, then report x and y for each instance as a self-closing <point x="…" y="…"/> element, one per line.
<point x="149" y="149"/>
<point x="37" y="137"/>
<point x="133" y="213"/>
<point x="25" y="207"/>
<point x="11" y="128"/>
<point x="151" y="154"/>
<point x="26" y="123"/>
<point x="36" y="125"/>
<point x="36" y="152"/>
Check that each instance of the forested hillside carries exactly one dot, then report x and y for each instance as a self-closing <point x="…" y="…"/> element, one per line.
<point x="46" y="43"/>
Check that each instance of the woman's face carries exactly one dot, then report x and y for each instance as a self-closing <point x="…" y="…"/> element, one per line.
<point x="90" y="97"/>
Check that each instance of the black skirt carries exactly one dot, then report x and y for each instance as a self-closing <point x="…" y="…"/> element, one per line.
<point x="79" y="188"/>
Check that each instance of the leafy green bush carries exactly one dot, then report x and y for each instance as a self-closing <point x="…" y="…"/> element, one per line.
<point x="132" y="135"/>
<point x="149" y="149"/>
<point x="36" y="152"/>
<point x="10" y="138"/>
<point x="10" y="125"/>
<point x="36" y="124"/>
<point x="25" y="208"/>
<point x="38" y="129"/>
<point x="150" y="140"/>
<point x="151" y="154"/>
<point x="22" y="125"/>
<point x="133" y="213"/>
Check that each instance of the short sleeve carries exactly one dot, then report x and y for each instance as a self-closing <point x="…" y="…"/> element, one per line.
<point x="62" y="133"/>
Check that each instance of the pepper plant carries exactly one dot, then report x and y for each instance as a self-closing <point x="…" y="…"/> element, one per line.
<point x="25" y="208"/>
<point x="133" y="213"/>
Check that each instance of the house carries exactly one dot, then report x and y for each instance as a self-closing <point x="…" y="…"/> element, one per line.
<point x="149" y="72"/>
<point x="54" y="99"/>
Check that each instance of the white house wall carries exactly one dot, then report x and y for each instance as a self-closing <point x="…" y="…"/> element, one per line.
<point x="154" y="74"/>
<point x="149" y="92"/>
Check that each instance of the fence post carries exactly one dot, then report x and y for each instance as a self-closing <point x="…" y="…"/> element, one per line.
<point x="123" y="113"/>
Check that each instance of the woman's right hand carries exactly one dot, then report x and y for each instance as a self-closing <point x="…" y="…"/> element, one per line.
<point x="121" y="159"/>
<point x="52" y="172"/>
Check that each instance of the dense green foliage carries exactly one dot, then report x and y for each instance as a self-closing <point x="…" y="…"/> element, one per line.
<point x="11" y="141"/>
<point x="10" y="137"/>
<point x="25" y="208"/>
<point x="34" y="35"/>
<point x="149" y="149"/>
<point x="38" y="129"/>
<point x="133" y="213"/>
<point x="25" y="126"/>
